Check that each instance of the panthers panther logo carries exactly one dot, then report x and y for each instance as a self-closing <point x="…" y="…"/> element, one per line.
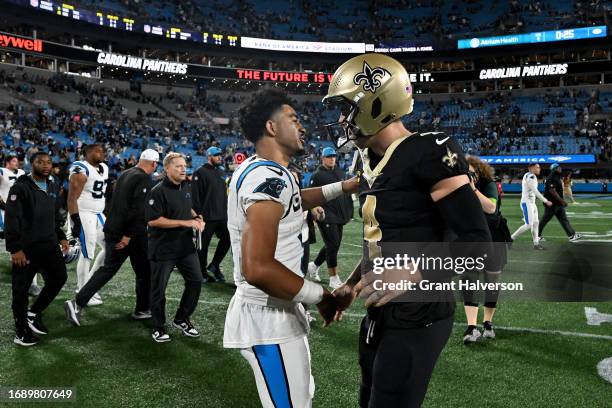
<point x="272" y="186"/>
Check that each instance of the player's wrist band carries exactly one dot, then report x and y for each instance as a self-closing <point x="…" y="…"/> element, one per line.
<point x="311" y="293"/>
<point x="333" y="190"/>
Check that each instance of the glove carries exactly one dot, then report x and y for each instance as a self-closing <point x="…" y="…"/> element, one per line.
<point x="76" y="225"/>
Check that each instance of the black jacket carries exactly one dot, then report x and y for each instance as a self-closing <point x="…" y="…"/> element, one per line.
<point x="338" y="210"/>
<point x="127" y="210"/>
<point x="209" y="193"/>
<point x="32" y="217"/>
<point x="553" y="182"/>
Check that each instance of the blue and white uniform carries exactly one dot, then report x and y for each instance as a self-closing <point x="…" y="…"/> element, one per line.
<point x="529" y="208"/>
<point x="91" y="204"/>
<point x="271" y="333"/>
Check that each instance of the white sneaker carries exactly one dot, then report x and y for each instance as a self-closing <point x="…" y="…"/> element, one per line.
<point x="575" y="237"/>
<point x="95" y="300"/>
<point x="313" y="272"/>
<point x="335" y="282"/>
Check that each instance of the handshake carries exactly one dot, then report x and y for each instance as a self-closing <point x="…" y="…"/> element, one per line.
<point x="335" y="303"/>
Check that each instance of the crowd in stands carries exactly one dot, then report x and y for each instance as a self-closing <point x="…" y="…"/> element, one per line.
<point x="364" y="21"/>
<point x="497" y="124"/>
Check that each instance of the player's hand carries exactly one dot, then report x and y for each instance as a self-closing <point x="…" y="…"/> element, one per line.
<point x="76" y="225"/>
<point x="327" y="308"/>
<point x="64" y="245"/>
<point x="548" y="203"/>
<point x="318" y="213"/>
<point x="365" y="287"/>
<point x="344" y="295"/>
<point x="125" y="241"/>
<point x="19" y="259"/>
<point x="351" y="185"/>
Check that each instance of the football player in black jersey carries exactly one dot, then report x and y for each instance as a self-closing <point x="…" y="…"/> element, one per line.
<point x="414" y="187"/>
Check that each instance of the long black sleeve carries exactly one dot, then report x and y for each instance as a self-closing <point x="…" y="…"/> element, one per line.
<point x="13" y="219"/>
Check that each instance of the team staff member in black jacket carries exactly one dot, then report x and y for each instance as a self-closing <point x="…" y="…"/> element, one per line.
<point x="125" y="235"/>
<point x="33" y="237"/>
<point x="171" y="219"/>
<point x="330" y="218"/>
<point x="553" y="191"/>
<point x="210" y="201"/>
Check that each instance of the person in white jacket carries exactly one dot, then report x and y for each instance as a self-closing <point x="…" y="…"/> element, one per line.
<point x="528" y="204"/>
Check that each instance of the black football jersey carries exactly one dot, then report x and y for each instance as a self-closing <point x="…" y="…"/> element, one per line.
<point x="396" y="206"/>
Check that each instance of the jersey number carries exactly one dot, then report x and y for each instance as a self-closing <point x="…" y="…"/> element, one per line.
<point x="98" y="189"/>
<point x="371" y="230"/>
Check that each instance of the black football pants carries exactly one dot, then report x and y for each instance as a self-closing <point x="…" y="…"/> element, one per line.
<point x="218" y="228"/>
<point x="559" y="212"/>
<point x="332" y="237"/>
<point x="395" y="371"/>
<point x="113" y="260"/>
<point x="49" y="261"/>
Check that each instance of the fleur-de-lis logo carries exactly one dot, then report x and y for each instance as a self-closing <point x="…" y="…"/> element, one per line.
<point x="370" y="77"/>
<point x="450" y="159"/>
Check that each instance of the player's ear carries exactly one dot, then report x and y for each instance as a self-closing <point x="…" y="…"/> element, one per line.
<point x="271" y="127"/>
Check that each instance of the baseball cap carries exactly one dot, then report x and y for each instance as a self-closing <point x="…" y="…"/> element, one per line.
<point x="554" y="166"/>
<point x="328" y="152"/>
<point x="149" y="154"/>
<point x="213" y="151"/>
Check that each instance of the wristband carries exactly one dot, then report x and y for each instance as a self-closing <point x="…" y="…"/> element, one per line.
<point x="331" y="191"/>
<point x="311" y="293"/>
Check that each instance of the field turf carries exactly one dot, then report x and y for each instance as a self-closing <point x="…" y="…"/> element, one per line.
<point x="545" y="354"/>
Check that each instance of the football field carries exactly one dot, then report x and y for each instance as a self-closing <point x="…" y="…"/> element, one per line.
<point x="545" y="353"/>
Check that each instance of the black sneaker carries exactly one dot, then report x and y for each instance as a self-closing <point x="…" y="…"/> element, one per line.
<point x="206" y="278"/>
<point x="24" y="337"/>
<point x="141" y="315"/>
<point x="186" y="327"/>
<point x="73" y="312"/>
<point x="160" y="336"/>
<point x="216" y="271"/>
<point x="35" y="323"/>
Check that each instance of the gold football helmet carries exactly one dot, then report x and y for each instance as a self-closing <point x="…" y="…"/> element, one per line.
<point x="371" y="91"/>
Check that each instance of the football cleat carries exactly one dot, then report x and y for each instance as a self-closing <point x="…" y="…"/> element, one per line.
<point x="36" y="325"/>
<point x="160" y="336"/>
<point x="471" y="335"/>
<point x="313" y="272"/>
<point x="73" y="312"/>
<point x="488" y="332"/>
<point x="186" y="327"/>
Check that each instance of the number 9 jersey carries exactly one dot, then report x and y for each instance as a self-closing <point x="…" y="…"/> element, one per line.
<point x="92" y="198"/>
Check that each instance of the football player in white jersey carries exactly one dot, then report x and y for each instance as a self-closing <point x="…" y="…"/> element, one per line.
<point x="528" y="204"/>
<point x="8" y="176"/>
<point x="265" y="319"/>
<point x="86" y="200"/>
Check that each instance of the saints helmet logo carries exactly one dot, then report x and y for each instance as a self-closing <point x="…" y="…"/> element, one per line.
<point x="450" y="159"/>
<point x="370" y="77"/>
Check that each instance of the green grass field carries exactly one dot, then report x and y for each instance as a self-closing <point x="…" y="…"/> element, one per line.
<point x="545" y="354"/>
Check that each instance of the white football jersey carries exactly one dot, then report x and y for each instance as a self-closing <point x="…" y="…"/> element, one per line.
<point x="253" y="316"/>
<point x="8" y="179"/>
<point x="92" y="197"/>
<point x="530" y="189"/>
